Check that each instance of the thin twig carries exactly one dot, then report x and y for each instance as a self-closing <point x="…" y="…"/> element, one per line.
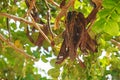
<point x="92" y="16"/>
<point x="19" y="19"/>
<point x="37" y="27"/>
<point x="29" y="36"/>
<point x="8" y="27"/>
<point x="91" y="24"/>
<point x="54" y="3"/>
<point x="93" y="13"/>
<point x="48" y="19"/>
<point x="32" y="4"/>
<point x="62" y="13"/>
<point x="116" y="43"/>
<point x="80" y="62"/>
<point x="17" y="49"/>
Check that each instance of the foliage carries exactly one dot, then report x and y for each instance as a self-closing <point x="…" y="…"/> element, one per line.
<point x="106" y="30"/>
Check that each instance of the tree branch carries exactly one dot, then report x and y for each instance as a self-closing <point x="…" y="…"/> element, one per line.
<point x="92" y="15"/>
<point x="19" y="19"/>
<point x="54" y="3"/>
<point x="17" y="49"/>
<point x="116" y="43"/>
<point x="48" y="18"/>
<point x="32" y="5"/>
<point x="63" y="12"/>
<point x="36" y="25"/>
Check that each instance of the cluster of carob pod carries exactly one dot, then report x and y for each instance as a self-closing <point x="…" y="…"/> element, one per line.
<point x="76" y="34"/>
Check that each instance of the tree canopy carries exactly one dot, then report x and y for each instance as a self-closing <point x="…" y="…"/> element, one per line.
<point x="85" y="32"/>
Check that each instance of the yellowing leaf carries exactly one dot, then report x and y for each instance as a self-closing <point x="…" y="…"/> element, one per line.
<point x="18" y="44"/>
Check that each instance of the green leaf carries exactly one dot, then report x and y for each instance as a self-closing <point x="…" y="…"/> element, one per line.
<point x="104" y="13"/>
<point x="115" y="17"/>
<point x="36" y="54"/>
<point x="102" y="42"/>
<point x="45" y="44"/>
<point x="98" y="26"/>
<point x="109" y="4"/>
<point x="43" y="58"/>
<point x="77" y="4"/>
<point x="22" y="5"/>
<point x="118" y="8"/>
<point x="52" y="62"/>
<point x="13" y="25"/>
<point x="54" y="72"/>
<point x="111" y="27"/>
<point x="29" y="77"/>
<point x="2" y="63"/>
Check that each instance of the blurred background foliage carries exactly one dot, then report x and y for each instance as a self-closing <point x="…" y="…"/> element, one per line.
<point x="99" y="66"/>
